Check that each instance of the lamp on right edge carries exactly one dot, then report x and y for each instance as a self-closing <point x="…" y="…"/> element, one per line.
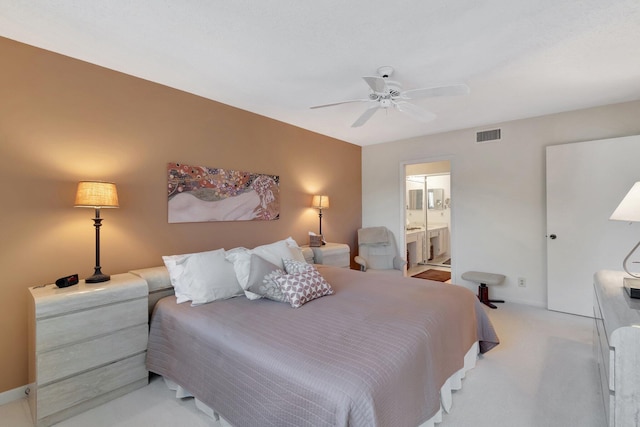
<point x="629" y="210"/>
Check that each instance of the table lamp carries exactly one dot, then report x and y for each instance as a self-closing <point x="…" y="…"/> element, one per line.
<point x="320" y="202"/>
<point x="97" y="195"/>
<point x="629" y="210"/>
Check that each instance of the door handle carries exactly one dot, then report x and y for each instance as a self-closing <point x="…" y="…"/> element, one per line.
<point x="553" y="237"/>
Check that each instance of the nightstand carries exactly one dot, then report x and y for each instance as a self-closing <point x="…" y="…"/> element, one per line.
<point x="616" y="340"/>
<point x="87" y="345"/>
<point x="335" y="254"/>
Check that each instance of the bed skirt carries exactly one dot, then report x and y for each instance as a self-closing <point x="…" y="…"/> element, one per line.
<point x="446" y="399"/>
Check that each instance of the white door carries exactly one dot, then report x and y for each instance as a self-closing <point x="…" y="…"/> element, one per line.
<point x="585" y="183"/>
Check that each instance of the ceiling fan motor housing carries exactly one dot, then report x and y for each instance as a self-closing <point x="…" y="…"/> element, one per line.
<point x="385" y="71"/>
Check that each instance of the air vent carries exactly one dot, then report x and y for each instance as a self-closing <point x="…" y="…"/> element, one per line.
<point x="488" y="136"/>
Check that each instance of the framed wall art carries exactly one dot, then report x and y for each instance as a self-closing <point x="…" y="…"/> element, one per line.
<point x="202" y="193"/>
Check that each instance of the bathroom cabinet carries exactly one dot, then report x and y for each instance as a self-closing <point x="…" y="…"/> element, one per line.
<point x="437" y="241"/>
<point x="415" y="246"/>
<point x="421" y="243"/>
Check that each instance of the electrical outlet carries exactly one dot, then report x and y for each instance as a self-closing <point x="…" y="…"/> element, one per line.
<point x="522" y="282"/>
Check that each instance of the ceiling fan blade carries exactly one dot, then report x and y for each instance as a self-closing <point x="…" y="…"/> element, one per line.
<point x="366" y="115"/>
<point x="414" y="111"/>
<point x="338" y="103"/>
<point x="377" y="84"/>
<point x="458" y="89"/>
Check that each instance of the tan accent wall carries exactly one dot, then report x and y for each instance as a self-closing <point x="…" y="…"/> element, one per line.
<point x="63" y="120"/>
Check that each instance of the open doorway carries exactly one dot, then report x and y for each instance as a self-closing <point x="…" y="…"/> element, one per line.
<point x="427" y="214"/>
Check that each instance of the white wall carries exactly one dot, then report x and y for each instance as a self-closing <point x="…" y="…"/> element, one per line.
<point x="497" y="191"/>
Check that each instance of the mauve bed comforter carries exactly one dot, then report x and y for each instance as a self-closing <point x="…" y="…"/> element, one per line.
<point x="376" y="353"/>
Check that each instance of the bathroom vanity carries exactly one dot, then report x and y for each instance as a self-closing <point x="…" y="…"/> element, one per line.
<point x="415" y="239"/>
<point x="437" y="240"/>
<point x="426" y="244"/>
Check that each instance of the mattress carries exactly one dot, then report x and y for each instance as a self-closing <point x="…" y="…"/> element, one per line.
<point x="375" y="353"/>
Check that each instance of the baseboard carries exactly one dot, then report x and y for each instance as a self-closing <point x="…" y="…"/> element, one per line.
<point x="13" y="395"/>
<point x="522" y="301"/>
<point x="508" y="299"/>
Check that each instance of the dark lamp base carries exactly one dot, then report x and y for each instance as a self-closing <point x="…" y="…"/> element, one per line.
<point x="632" y="286"/>
<point x="97" y="278"/>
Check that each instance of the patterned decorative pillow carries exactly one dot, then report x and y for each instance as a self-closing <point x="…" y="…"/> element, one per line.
<point x="262" y="275"/>
<point x="292" y="266"/>
<point x="300" y="288"/>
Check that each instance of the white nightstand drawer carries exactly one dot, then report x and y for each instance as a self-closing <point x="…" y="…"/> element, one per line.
<point x="73" y="327"/>
<point x="66" y="361"/>
<point x="75" y="390"/>
<point x="51" y="301"/>
<point x="335" y="254"/>
<point x="335" y="259"/>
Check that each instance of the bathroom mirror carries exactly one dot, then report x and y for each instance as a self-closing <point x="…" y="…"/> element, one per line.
<point x="435" y="198"/>
<point x="415" y="199"/>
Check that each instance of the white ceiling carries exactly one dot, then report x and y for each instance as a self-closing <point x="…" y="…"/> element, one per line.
<point x="521" y="58"/>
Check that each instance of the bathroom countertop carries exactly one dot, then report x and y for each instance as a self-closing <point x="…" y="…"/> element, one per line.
<point x="431" y="227"/>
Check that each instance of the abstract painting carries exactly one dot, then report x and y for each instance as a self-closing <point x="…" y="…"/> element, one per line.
<point x="201" y="194"/>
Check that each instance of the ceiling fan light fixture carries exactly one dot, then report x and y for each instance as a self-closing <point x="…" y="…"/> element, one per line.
<point x="385" y="103"/>
<point x="395" y="89"/>
<point x="385" y="93"/>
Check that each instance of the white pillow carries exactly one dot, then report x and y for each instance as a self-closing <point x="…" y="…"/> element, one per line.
<point x="241" y="261"/>
<point x="296" y="251"/>
<point x="277" y="251"/>
<point x="272" y="252"/>
<point x="175" y="265"/>
<point x="202" y="277"/>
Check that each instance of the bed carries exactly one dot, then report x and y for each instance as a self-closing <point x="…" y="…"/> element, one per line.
<point x="379" y="351"/>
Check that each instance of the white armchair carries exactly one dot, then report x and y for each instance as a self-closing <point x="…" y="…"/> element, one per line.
<point x="377" y="250"/>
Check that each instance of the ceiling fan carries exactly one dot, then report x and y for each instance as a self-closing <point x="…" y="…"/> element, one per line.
<point x="387" y="93"/>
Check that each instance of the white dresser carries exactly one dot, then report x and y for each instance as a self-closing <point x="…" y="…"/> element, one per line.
<point x="616" y="341"/>
<point x="87" y="345"/>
